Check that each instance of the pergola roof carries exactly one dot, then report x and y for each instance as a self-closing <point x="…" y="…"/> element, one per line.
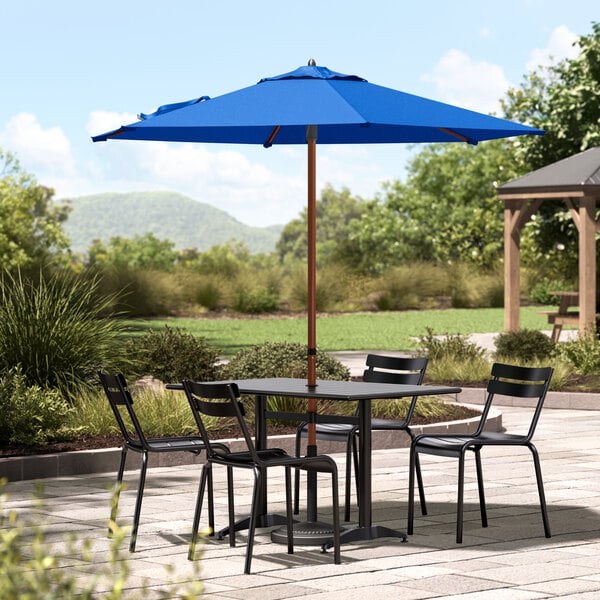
<point x="580" y="172"/>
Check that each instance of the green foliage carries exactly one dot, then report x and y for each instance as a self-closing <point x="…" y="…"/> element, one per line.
<point x="446" y="211"/>
<point x="255" y="301"/>
<point x="29" y="414"/>
<point x="57" y="330"/>
<point x="524" y="345"/>
<point x="141" y="252"/>
<point x="30" y="224"/>
<point x="456" y="346"/>
<point x="33" y="568"/>
<point x="335" y="211"/>
<point x="470" y="288"/>
<point x="140" y="293"/>
<point x="171" y="355"/>
<point x="333" y="288"/>
<point x="540" y="291"/>
<point x="282" y="359"/>
<point x="410" y="286"/>
<point x="582" y="353"/>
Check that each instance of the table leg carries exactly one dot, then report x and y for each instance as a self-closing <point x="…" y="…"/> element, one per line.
<point x="366" y="530"/>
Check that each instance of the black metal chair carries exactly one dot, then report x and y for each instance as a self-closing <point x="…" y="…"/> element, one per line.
<point x="121" y="402"/>
<point x="398" y="370"/>
<point x="507" y="380"/>
<point x="221" y="400"/>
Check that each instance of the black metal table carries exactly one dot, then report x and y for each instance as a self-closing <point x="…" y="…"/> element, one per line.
<point x="362" y="392"/>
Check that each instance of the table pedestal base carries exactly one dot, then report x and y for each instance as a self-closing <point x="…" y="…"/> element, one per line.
<point x="261" y="521"/>
<point x="364" y="534"/>
<point x="308" y="533"/>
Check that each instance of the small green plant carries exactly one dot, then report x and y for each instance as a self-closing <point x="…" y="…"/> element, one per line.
<point x="524" y="345"/>
<point x="57" y="330"/>
<point x="172" y="355"/>
<point x="33" y="568"/>
<point x="29" y="414"/>
<point x="455" y="346"/>
<point x="540" y="291"/>
<point x="583" y="353"/>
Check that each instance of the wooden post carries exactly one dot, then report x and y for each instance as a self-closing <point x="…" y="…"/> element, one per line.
<point x="587" y="264"/>
<point x="512" y="265"/>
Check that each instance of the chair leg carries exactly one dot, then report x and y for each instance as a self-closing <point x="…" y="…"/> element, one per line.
<point x="297" y="477"/>
<point x="336" y="519"/>
<point x="211" y="502"/>
<point x="288" y="510"/>
<point x="252" y="520"/>
<point x="482" y="507"/>
<point x="460" y="499"/>
<point x="540" y="484"/>
<point x="206" y="473"/>
<point x="138" y="502"/>
<point x="411" y="489"/>
<point x="231" y="507"/>
<point x="420" y="485"/>
<point x="350" y="455"/>
<point x="118" y="487"/>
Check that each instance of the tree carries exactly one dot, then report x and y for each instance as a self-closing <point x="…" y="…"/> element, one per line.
<point x="446" y="211"/>
<point x="30" y="224"/>
<point x="562" y="99"/>
<point x="335" y="211"/>
<point x="141" y="252"/>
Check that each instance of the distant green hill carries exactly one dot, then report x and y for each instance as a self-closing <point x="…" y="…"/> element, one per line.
<point x="184" y="221"/>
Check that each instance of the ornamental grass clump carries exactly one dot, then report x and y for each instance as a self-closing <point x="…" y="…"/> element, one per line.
<point x="58" y="329"/>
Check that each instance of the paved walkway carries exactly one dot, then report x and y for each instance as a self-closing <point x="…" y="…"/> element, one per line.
<point x="510" y="559"/>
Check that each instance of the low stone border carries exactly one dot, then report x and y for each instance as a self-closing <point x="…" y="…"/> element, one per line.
<point x="64" y="464"/>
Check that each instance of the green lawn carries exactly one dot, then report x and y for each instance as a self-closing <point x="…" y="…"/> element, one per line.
<point x="372" y="331"/>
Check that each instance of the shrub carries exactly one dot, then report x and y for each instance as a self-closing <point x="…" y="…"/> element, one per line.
<point x="524" y="345"/>
<point x="172" y="355"/>
<point x="29" y="414"/>
<point x="283" y="359"/>
<point x="255" y="301"/>
<point x="332" y="288"/>
<point x="583" y="353"/>
<point x="454" y="346"/>
<point x="470" y="289"/>
<point x="57" y="330"/>
<point x="141" y="293"/>
<point x="410" y="286"/>
<point x="540" y="291"/>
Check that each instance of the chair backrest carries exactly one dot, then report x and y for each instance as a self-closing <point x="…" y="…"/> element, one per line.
<point x="398" y="369"/>
<point x="217" y="400"/>
<point x="518" y="382"/>
<point x="120" y="399"/>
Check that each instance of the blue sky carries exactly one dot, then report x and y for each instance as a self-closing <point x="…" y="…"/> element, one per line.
<point x="71" y="69"/>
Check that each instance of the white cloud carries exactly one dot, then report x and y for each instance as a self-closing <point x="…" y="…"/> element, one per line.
<point x="38" y="149"/>
<point x="461" y="80"/>
<point x="560" y="46"/>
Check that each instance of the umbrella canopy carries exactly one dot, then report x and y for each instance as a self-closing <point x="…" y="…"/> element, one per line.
<point x="309" y="104"/>
<point x="346" y="108"/>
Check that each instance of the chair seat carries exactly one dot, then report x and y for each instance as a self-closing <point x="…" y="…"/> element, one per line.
<point x="388" y="424"/>
<point x="452" y="445"/>
<point x="330" y="431"/>
<point x="173" y="444"/>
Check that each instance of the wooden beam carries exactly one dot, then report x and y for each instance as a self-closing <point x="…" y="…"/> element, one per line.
<point x="512" y="264"/>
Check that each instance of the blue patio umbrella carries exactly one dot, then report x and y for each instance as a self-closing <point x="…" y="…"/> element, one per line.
<point x="309" y="105"/>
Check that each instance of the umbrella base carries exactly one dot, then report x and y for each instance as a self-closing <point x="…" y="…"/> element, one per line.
<point x="307" y="533"/>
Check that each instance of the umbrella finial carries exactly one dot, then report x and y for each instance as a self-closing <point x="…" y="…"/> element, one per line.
<point x="312" y="62"/>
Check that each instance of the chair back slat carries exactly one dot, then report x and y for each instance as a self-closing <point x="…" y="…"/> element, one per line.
<point x="517" y="382"/>
<point x="119" y="397"/>
<point x="203" y="399"/>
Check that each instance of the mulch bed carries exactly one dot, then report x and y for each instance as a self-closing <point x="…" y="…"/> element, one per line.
<point x="91" y="442"/>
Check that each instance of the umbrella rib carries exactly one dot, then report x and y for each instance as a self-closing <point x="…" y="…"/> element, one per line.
<point x="456" y="135"/>
<point x="270" y="139"/>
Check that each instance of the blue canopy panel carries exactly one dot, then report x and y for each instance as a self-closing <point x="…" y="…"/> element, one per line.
<point x="346" y="109"/>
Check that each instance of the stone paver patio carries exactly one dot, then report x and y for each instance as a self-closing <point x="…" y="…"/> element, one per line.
<point x="510" y="559"/>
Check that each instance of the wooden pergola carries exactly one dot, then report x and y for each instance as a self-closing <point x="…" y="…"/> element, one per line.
<point x="576" y="180"/>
